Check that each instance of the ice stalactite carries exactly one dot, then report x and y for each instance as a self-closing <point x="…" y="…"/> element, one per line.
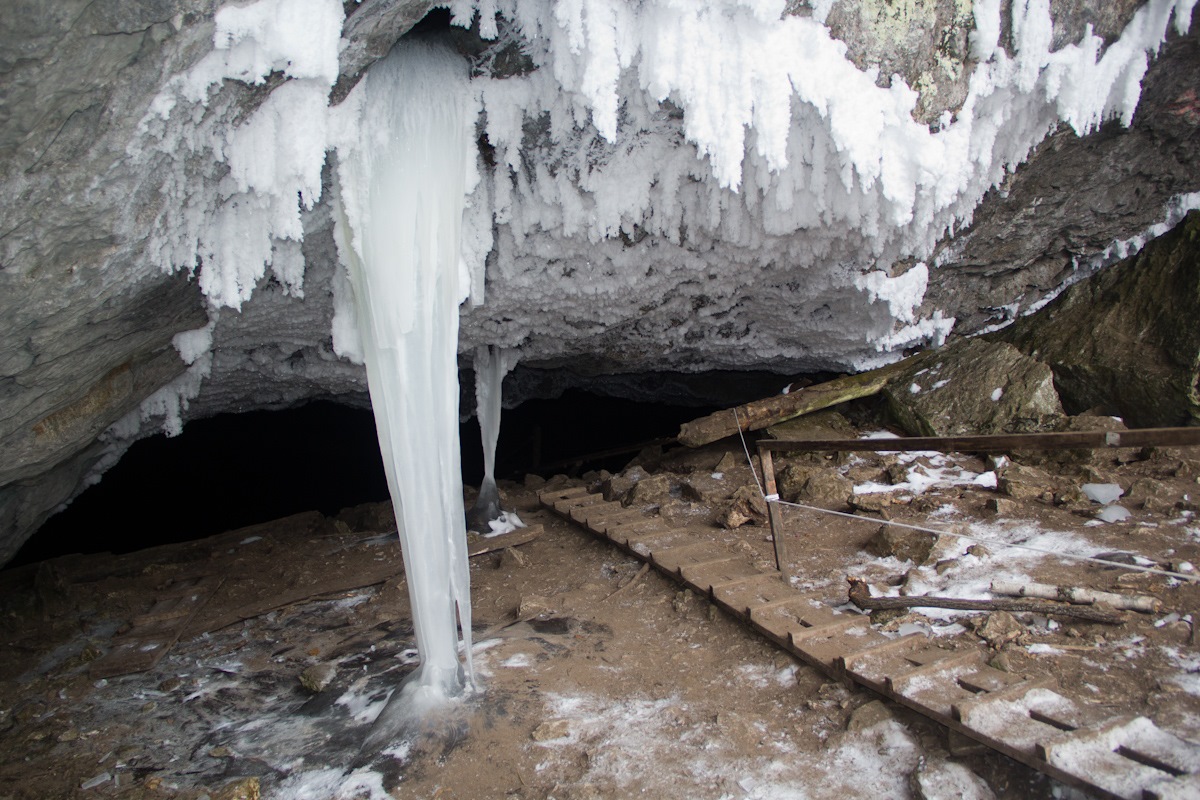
<point x="491" y="365"/>
<point x="402" y="176"/>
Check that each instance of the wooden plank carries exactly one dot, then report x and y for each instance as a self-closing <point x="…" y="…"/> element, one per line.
<point x="1122" y="756"/>
<point x="825" y="646"/>
<point x="565" y="505"/>
<point x="798" y="615"/>
<point x="583" y="514"/>
<point x="939" y="666"/>
<point x="1094" y="757"/>
<point x="489" y="544"/>
<point x="988" y="679"/>
<point x="647" y="541"/>
<point x="934" y="689"/>
<point x="602" y="523"/>
<point x="672" y="559"/>
<point x="623" y="534"/>
<point x="742" y="597"/>
<point x="551" y="496"/>
<point x="704" y="578"/>
<point x="1000" y="443"/>
<point x="1185" y="787"/>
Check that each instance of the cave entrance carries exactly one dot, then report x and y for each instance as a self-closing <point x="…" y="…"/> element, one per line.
<point x="234" y="470"/>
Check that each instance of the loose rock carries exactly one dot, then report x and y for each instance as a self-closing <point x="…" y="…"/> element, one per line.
<point x="902" y="543"/>
<point x="868" y="715"/>
<point x="317" y="677"/>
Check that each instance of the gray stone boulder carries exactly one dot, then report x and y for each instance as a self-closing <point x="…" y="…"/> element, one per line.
<point x="974" y="386"/>
<point x="1127" y="340"/>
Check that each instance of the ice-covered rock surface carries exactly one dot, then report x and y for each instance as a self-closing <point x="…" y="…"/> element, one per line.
<point x="660" y="185"/>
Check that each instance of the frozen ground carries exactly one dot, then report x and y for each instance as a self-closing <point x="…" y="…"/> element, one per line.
<point x="647" y="692"/>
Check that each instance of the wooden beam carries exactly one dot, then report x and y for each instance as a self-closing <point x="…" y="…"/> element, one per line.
<point x="778" y="408"/>
<point x="774" y="513"/>
<point x="1000" y="443"/>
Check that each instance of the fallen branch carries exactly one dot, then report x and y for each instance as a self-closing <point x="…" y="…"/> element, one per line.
<point x="640" y="574"/>
<point x="1078" y="595"/>
<point x="860" y="595"/>
<point x="779" y="408"/>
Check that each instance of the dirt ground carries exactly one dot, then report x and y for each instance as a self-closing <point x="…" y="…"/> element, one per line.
<point x="595" y="680"/>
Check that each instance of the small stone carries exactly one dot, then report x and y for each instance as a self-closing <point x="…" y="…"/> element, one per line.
<point x="945" y="565"/>
<point x="1002" y="662"/>
<point x="868" y="715"/>
<point x="221" y="752"/>
<point x="69" y="735"/>
<point x="979" y="551"/>
<point x="512" y="558"/>
<point x="1001" y="506"/>
<point x="552" y="729"/>
<point x="317" y="677"/>
<point x="1024" y="483"/>
<point x="170" y="685"/>
<point x="534" y="481"/>
<point x="999" y="629"/>
<point x="532" y="606"/>
<point x="239" y="789"/>
<point x="729" y="462"/>
<point x="746" y="506"/>
<point x="874" y="503"/>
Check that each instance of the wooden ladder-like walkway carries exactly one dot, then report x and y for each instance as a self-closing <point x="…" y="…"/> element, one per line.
<point x="1068" y="739"/>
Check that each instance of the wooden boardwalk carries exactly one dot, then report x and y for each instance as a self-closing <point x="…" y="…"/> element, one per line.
<point x="1030" y="720"/>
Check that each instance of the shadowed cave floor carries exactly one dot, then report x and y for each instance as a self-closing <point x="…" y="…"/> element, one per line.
<point x="650" y="691"/>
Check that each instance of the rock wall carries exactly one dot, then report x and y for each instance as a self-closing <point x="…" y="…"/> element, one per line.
<point x="89" y="322"/>
<point x="1127" y="341"/>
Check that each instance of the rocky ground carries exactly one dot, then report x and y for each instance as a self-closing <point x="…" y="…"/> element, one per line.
<point x="599" y="680"/>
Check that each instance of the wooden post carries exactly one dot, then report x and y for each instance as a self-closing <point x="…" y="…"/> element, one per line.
<point x="773" y="512"/>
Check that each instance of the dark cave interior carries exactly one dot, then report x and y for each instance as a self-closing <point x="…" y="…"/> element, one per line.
<point x="234" y="470"/>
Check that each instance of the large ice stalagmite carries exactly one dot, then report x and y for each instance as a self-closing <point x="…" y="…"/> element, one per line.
<point x="402" y="173"/>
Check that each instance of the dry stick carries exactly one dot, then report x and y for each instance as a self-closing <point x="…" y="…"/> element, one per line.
<point x="1078" y="595"/>
<point x="860" y="595"/>
<point x="640" y="574"/>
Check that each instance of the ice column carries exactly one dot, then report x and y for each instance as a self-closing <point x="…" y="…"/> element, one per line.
<point x="402" y="181"/>
<point x="491" y="365"/>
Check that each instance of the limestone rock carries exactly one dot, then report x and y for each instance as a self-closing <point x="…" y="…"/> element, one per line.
<point x="904" y="544"/>
<point x="618" y="486"/>
<point x="654" y="490"/>
<point x="552" y="729"/>
<point x="1142" y="362"/>
<point x="317" y="677"/>
<point x="974" y="387"/>
<point x="746" y="506"/>
<point x="821" y="486"/>
<point x="827" y="424"/>
<point x="946" y="780"/>
<point x="1026" y="483"/>
<point x="868" y="715"/>
<point x="1000" y="628"/>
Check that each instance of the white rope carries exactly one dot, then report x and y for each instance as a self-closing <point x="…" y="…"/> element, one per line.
<point x="774" y="498"/>
<point x="750" y="461"/>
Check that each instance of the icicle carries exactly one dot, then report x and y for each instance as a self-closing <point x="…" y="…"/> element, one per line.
<point x="491" y="365"/>
<point x="402" y="181"/>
